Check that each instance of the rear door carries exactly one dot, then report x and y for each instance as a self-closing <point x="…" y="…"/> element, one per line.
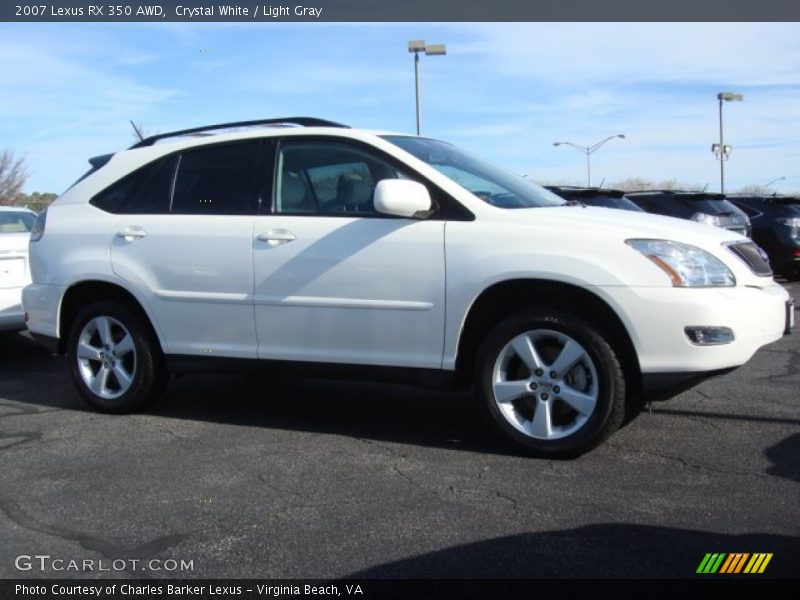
<point x="187" y="244"/>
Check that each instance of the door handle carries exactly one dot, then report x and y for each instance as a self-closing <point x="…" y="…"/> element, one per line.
<point x="276" y="237"/>
<point x="132" y="233"/>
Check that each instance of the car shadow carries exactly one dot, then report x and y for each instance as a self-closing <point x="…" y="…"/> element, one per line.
<point x="601" y="551"/>
<point x="785" y="458"/>
<point x="373" y="411"/>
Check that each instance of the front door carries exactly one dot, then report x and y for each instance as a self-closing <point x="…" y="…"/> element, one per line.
<point x="334" y="280"/>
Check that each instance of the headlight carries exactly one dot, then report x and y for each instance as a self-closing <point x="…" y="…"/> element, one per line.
<point x="686" y="266"/>
<point x="706" y="218"/>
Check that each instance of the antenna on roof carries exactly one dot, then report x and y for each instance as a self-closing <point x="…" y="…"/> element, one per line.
<point x="601" y="183"/>
<point x="137" y="131"/>
<point x="705" y="187"/>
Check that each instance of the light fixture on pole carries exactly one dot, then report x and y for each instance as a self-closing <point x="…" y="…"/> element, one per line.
<point x="588" y="151"/>
<point x="417" y="46"/>
<point x="723" y="151"/>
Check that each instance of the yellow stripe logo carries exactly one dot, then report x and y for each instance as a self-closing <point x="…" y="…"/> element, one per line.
<point x="734" y="563"/>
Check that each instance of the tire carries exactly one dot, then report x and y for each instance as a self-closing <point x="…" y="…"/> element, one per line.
<point x="536" y="408"/>
<point x="115" y="360"/>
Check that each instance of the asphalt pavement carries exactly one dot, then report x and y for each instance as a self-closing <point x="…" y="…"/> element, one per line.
<point x="242" y="476"/>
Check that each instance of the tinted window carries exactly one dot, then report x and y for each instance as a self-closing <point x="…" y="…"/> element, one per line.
<point x="749" y="210"/>
<point x="328" y="178"/>
<point x="610" y="202"/>
<point x="217" y="180"/>
<point x="14" y="221"/>
<point x="712" y="207"/>
<point x="651" y="205"/>
<point x="145" y="191"/>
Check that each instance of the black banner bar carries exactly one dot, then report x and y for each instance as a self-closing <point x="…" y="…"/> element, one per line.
<point x="398" y="10"/>
<point x="251" y="589"/>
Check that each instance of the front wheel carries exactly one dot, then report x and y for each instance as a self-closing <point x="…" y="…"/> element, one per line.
<point x="114" y="359"/>
<point x="551" y="383"/>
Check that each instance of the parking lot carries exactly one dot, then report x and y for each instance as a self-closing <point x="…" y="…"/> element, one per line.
<point x="249" y="477"/>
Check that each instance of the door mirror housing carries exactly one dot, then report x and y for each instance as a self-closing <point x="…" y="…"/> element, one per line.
<point x="403" y="198"/>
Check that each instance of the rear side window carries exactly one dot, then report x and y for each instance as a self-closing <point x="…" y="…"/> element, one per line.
<point x="221" y="180"/>
<point x="218" y="180"/>
<point x="16" y="221"/>
<point x="145" y="191"/>
<point x="650" y="205"/>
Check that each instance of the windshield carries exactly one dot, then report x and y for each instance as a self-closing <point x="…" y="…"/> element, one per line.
<point x="489" y="183"/>
<point x="16" y="221"/>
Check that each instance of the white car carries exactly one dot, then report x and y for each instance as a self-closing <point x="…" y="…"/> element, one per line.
<point x="386" y="256"/>
<point x="15" y="227"/>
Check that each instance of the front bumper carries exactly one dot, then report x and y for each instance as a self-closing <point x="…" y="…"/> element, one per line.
<point x="656" y="319"/>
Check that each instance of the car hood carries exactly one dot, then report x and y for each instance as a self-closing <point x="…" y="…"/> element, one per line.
<point x="623" y="224"/>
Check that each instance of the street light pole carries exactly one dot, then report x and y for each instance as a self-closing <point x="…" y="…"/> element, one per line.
<point x="417" y="46"/>
<point x="589" y="150"/>
<point x="416" y="88"/>
<point x="722" y="151"/>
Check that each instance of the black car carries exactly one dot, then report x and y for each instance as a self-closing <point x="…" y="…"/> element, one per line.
<point x="594" y="196"/>
<point x="703" y="207"/>
<point x="776" y="228"/>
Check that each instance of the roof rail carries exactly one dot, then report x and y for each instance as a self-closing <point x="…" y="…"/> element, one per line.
<point x="302" y="121"/>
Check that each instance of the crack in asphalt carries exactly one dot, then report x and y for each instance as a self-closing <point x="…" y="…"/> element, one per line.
<point x="21" y="437"/>
<point x="685" y="463"/>
<point x="15" y="513"/>
<point x="792" y="368"/>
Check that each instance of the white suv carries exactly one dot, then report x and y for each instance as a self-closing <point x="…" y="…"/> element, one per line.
<point x="388" y="256"/>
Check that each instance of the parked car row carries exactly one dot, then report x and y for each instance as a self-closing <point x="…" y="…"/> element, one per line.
<point x="776" y="228"/>
<point x="773" y="222"/>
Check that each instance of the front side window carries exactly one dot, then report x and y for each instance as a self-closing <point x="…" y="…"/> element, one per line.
<point x="329" y="178"/>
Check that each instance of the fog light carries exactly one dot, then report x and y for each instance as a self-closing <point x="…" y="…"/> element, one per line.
<point x="709" y="336"/>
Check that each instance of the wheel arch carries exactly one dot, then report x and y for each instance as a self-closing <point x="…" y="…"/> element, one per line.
<point x="504" y="298"/>
<point x="81" y="293"/>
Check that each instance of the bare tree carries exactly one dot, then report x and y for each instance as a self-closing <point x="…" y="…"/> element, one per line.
<point x="13" y="175"/>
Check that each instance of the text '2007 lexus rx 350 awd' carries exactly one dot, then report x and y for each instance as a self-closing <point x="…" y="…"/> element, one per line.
<point x="300" y="241"/>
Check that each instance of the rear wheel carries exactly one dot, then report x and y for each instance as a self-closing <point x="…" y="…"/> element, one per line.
<point x="551" y="383"/>
<point x="114" y="359"/>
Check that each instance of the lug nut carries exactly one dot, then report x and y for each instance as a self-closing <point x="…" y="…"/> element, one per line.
<point x="538" y="372"/>
<point x="556" y="389"/>
<point x="533" y="386"/>
<point x="545" y="397"/>
<point x="553" y="374"/>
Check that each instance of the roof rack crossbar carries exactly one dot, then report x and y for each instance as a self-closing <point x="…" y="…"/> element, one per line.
<point x="302" y="121"/>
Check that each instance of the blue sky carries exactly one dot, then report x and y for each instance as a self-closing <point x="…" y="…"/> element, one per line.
<point x="505" y="91"/>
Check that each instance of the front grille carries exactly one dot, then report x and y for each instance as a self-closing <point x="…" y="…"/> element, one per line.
<point x="751" y="255"/>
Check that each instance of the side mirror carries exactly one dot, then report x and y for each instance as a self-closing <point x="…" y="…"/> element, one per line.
<point x="402" y="198"/>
